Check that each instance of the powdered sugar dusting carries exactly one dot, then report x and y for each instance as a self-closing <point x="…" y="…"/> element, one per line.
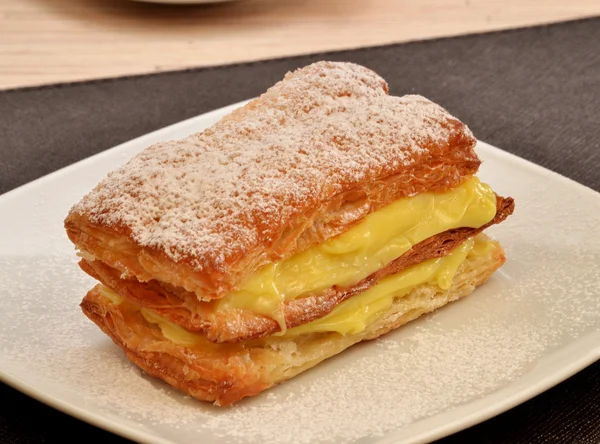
<point x="217" y="194"/>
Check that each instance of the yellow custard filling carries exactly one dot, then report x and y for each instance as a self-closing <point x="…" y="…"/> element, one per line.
<point x="172" y="331"/>
<point x="380" y="238"/>
<point x="355" y="314"/>
<point x="110" y="295"/>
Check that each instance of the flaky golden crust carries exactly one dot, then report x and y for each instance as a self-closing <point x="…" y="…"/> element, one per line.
<point x="204" y="380"/>
<point x="236" y="325"/>
<point x="304" y="162"/>
<point x="225" y="373"/>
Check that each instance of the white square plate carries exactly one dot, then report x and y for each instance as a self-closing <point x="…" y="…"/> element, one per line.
<point x="535" y="323"/>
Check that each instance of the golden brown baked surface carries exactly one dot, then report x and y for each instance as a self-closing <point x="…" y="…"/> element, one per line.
<point x="302" y="163"/>
<point x="235" y="325"/>
<point x="225" y="373"/>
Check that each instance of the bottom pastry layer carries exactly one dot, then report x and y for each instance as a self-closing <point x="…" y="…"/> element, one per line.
<point x="226" y="373"/>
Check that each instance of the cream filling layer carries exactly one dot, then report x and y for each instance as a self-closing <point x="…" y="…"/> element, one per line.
<point x="355" y="314"/>
<point x="377" y="240"/>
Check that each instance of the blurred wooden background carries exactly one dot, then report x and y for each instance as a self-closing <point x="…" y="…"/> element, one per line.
<point x="43" y="41"/>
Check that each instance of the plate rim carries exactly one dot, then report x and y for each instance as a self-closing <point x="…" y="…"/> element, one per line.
<point x="476" y="417"/>
<point x="95" y="419"/>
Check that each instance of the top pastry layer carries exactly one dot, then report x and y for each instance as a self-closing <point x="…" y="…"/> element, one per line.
<point x="302" y="163"/>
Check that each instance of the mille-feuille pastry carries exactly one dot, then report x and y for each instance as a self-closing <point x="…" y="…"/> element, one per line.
<point x="321" y="214"/>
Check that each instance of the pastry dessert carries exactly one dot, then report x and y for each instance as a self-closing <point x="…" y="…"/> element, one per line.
<point x="323" y="213"/>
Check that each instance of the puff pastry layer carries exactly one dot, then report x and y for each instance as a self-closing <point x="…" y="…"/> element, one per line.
<point x="225" y="373"/>
<point x="235" y="325"/>
<point x="302" y="163"/>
